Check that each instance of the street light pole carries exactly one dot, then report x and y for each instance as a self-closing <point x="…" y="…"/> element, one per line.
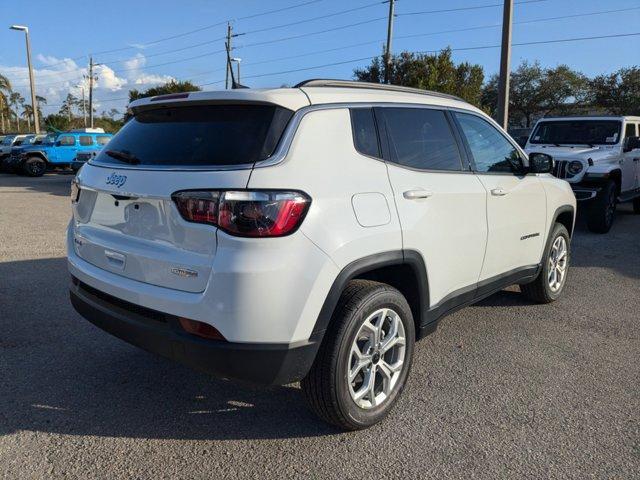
<point x="237" y="61"/>
<point x="34" y="104"/>
<point x="505" y="65"/>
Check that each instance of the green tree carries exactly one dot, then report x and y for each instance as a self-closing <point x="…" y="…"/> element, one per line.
<point x="16" y="101"/>
<point x="5" y="90"/>
<point x="538" y="91"/>
<point x="174" y="86"/>
<point x="67" y="106"/>
<point x="437" y="72"/>
<point x="618" y="92"/>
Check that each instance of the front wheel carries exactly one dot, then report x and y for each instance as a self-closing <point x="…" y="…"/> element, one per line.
<point x="34" y="167"/>
<point x="365" y="357"/>
<point x="549" y="284"/>
<point x="602" y="210"/>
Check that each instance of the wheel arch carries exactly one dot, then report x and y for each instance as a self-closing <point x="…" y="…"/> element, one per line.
<point x="38" y="154"/>
<point x="566" y="215"/>
<point x="403" y="270"/>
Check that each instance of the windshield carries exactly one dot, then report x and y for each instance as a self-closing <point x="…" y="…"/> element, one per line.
<point x="8" y="139"/>
<point x="577" y="132"/>
<point x="49" y="140"/>
<point x="200" y="135"/>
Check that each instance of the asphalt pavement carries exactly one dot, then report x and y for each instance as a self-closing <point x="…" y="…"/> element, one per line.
<point x="503" y="389"/>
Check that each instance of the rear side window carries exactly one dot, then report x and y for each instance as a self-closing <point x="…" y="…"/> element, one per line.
<point x="365" y="136"/>
<point x="102" y="139"/>
<point x="203" y="135"/>
<point x="491" y="151"/>
<point x="422" y="138"/>
<point x="67" y="140"/>
<point x="86" y="140"/>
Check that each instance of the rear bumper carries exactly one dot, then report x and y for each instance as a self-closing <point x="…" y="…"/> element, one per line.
<point x="160" y="333"/>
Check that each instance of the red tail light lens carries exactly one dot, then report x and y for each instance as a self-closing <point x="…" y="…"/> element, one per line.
<point x="200" y="329"/>
<point x="245" y="213"/>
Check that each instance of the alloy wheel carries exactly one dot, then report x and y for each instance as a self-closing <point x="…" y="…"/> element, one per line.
<point x="377" y="358"/>
<point x="558" y="264"/>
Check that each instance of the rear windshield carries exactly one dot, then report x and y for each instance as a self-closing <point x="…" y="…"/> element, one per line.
<point x="198" y="136"/>
<point x="576" y="132"/>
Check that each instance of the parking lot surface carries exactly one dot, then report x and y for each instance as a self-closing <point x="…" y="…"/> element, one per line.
<point x="503" y="389"/>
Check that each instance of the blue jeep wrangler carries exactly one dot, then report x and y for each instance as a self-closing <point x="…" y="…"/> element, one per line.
<point x="57" y="150"/>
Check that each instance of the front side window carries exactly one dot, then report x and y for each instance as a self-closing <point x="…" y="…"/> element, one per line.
<point x="86" y="140"/>
<point x="577" y="132"/>
<point x="421" y="138"/>
<point x="67" y="140"/>
<point x="198" y="135"/>
<point x="365" y="137"/>
<point x="630" y="130"/>
<point x="490" y="150"/>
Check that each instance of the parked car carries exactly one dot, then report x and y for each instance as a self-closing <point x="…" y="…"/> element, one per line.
<point x="310" y="233"/>
<point x="599" y="157"/>
<point x="82" y="158"/>
<point x="520" y="135"/>
<point x="58" y="150"/>
<point x="18" y="146"/>
<point x="8" y="142"/>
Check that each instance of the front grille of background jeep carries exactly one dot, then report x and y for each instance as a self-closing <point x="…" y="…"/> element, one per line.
<point x="560" y="169"/>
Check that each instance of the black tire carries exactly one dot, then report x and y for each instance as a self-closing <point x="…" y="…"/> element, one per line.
<point x="326" y="387"/>
<point x="602" y="210"/>
<point x="636" y="206"/>
<point x="540" y="290"/>
<point x="34" y="167"/>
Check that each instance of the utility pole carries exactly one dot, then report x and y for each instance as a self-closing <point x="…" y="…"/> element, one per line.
<point x="91" y="91"/>
<point x="228" y="46"/>
<point x="387" y="53"/>
<point x="91" y="77"/>
<point x="505" y="65"/>
<point x="84" y="108"/>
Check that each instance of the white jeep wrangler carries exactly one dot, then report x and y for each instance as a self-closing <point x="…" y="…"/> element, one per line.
<point x="598" y="156"/>
<point x="310" y="233"/>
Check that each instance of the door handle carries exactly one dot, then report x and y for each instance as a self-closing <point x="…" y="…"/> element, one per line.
<point x="416" y="194"/>
<point x="499" y="192"/>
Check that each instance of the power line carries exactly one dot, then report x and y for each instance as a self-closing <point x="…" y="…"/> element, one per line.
<point x="399" y="37"/>
<point x="461" y="9"/>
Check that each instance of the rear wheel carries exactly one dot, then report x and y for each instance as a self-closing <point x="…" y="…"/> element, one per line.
<point x="549" y="284"/>
<point x="34" y="167"/>
<point x="365" y="358"/>
<point x="602" y="211"/>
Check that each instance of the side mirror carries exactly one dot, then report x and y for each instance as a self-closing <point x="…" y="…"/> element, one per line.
<point x="631" y="143"/>
<point x="57" y="143"/>
<point x="540" y="163"/>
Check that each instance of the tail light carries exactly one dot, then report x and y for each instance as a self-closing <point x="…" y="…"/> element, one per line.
<point x="200" y="329"/>
<point x="245" y="213"/>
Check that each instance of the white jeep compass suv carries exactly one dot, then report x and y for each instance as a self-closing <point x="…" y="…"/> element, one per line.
<point x="310" y="233"/>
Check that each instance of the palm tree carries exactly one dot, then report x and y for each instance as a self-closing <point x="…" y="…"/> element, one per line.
<point x="27" y="113"/>
<point x="16" y="100"/>
<point x="5" y="88"/>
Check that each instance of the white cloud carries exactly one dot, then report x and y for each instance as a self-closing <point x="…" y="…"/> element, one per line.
<point x="60" y="76"/>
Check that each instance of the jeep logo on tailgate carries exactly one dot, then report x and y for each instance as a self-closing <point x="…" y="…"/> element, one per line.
<point x="116" y="180"/>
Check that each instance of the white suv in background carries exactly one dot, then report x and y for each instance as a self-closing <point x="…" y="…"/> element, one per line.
<point x="310" y="233"/>
<point x="598" y="156"/>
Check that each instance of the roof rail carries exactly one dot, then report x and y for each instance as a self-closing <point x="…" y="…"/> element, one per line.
<point x="320" y="82"/>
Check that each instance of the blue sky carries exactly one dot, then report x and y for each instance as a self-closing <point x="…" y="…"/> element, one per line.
<point x="64" y="33"/>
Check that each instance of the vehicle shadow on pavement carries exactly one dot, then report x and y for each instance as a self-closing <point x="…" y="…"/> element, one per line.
<point x="54" y="183"/>
<point x="59" y="373"/>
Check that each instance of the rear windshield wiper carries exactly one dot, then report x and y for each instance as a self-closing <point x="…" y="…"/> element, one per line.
<point x="123" y="156"/>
